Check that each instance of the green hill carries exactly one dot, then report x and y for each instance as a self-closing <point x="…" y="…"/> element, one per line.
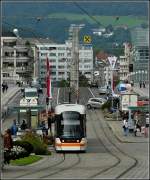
<point x="130" y="21"/>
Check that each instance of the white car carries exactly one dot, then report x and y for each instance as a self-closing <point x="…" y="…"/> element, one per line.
<point x="102" y="90"/>
<point x="95" y="102"/>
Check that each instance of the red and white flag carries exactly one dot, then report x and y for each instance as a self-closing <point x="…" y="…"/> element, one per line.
<point x="48" y="79"/>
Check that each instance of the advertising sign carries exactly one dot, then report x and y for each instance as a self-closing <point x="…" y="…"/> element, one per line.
<point x="128" y="100"/>
<point x="125" y="102"/>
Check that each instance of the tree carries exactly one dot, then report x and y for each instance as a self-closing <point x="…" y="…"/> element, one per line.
<point x="83" y="81"/>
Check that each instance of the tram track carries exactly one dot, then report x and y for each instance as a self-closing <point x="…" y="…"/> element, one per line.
<point x="119" y="150"/>
<point x="101" y="142"/>
<point x="63" y="169"/>
<point x="116" y="155"/>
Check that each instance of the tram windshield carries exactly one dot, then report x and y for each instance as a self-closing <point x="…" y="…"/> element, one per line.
<point x="70" y="125"/>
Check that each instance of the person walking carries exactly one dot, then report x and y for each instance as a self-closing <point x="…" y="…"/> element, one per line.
<point x="8" y="142"/>
<point x="140" y="84"/>
<point x="14" y="128"/>
<point x="146" y="125"/>
<point x="143" y="84"/>
<point x="125" y="127"/>
<point x="8" y="145"/>
<point x="3" y="87"/>
<point x="6" y="87"/>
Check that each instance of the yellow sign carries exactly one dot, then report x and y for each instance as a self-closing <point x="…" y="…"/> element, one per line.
<point x="87" y="39"/>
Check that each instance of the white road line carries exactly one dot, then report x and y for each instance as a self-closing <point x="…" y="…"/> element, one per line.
<point x="58" y="95"/>
<point x="91" y="92"/>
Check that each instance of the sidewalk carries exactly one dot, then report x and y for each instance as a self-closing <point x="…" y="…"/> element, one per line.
<point x="141" y="91"/>
<point x="7" y="96"/>
<point x="116" y="127"/>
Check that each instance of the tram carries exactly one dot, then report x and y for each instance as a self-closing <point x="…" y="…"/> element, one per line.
<point x="70" y="127"/>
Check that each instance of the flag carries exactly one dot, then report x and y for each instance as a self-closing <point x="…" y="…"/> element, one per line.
<point x="48" y="79"/>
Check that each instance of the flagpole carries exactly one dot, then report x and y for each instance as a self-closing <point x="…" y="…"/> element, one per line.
<point x="48" y="85"/>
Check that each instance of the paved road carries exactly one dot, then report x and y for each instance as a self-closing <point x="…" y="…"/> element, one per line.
<point x="106" y="157"/>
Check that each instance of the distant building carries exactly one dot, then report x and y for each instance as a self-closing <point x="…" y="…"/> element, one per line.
<point x="60" y="57"/>
<point x="102" y="64"/>
<point x="124" y="62"/>
<point x="16" y="59"/>
<point x="140" y="54"/>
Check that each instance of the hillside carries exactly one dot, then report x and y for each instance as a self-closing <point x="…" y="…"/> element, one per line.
<point x="53" y="19"/>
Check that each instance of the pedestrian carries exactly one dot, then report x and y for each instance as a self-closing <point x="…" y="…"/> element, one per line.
<point x="8" y="142"/>
<point x="140" y="84"/>
<point x="125" y="127"/>
<point x="23" y="125"/>
<point x="43" y="127"/>
<point x="6" y="87"/>
<point x="146" y="125"/>
<point x="3" y="87"/>
<point x="14" y="128"/>
<point x="143" y="84"/>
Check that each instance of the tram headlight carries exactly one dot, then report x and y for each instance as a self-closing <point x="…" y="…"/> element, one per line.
<point x="83" y="141"/>
<point x="57" y="140"/>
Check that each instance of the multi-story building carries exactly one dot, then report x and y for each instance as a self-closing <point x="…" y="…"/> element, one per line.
<point x="16" y="60"/>
<point x="123" y="68"/>
<point x="60" y="57"/>
<point x="124" y="62"/>
<point x="140" y="54"/>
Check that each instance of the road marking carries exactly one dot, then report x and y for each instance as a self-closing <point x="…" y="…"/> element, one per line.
<point x="91" y="92"/>
<point x="58" y="95"/>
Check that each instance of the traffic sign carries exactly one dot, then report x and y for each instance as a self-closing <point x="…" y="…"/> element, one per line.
<point x="87" y="39"/>
<point x="23" y="102"/>
<point x="33" y="102"/>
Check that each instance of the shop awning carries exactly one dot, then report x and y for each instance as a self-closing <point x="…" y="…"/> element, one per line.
<point x="139" y="108"/>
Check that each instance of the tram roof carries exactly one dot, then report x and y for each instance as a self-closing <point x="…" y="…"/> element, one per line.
<point x="70" y="107"/>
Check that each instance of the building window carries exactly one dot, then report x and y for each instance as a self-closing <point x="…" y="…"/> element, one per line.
<point x="52" y="54"/>
<point x="61" y="67"/>
<point x="61" y="54"/>
<point x="61" y="73"/>
<point x="43" y="54"/>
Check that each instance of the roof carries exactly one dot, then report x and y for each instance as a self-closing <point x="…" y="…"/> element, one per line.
<point x="30" y="89"/>
<point x="70" y="107"/>
<point x="101" y="55"/>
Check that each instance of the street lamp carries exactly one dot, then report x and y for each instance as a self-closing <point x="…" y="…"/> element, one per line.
<point x="16" y="32"/>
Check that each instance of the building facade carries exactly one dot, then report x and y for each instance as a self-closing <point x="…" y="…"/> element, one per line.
<point x="60" y="58"/>
<point x="140" y="54"/>
<point x="16" y="60"/>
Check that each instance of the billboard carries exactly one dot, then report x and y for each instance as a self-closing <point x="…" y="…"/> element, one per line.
<point x="128" y="100"/>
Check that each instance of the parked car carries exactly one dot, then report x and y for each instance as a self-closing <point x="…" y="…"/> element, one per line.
<point x="95" y="102"/>
<point x="102" y="90"/>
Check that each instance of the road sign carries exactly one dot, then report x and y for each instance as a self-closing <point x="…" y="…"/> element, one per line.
<point x="23" y="102"/>
<point x="87" y="39"/>
<point x="112" y="61"/>
<point x="33" y="102"/>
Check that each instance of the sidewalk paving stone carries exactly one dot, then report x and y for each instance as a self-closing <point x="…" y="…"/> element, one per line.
<point x="116" y="127"/>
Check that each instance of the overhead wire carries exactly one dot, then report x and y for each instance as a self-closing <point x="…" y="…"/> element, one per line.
<point x="86" y="12"/>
